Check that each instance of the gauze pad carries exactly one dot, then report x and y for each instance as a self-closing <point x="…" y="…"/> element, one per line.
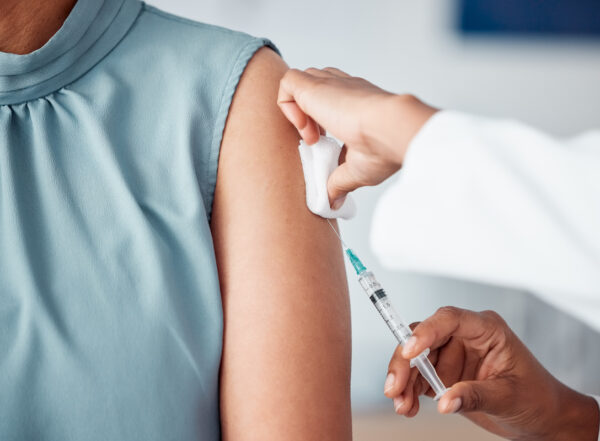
<point x="318" y="162"/>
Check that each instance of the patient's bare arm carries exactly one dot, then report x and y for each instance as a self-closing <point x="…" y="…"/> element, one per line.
<point x="286" y="362"/>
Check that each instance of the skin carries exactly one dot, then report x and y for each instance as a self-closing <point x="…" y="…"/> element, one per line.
<point x="26" y="25"/>
<point x="286" y="364"/>
<point x="285" y="370"/>
<point x="496" y="382"/>
<point x="374" y="146"/>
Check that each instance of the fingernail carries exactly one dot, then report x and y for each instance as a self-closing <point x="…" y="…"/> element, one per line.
<point x="337" y="204"/>
<point x="409" y="346"/>
<point x="389" y="382"/>
<point x="454" y="405"/>
<point x="398" y="402"/>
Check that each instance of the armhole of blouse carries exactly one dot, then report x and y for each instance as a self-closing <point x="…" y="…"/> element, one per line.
<point x="242" y="59"/>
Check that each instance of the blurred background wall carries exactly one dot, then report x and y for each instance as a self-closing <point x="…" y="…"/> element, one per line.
<point x="415" y="46"/>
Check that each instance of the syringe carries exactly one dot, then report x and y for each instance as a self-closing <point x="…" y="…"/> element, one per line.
<point x="400" y="330"/>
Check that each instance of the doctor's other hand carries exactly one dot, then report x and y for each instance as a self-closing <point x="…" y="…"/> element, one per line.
<point x="495" y="381"/>
<point x="375" y="126"/>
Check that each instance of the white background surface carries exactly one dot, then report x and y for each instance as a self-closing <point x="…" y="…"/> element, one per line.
<point x="411" y="46"/>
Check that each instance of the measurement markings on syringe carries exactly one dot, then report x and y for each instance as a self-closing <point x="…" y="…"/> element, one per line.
<point x="378" y="295"/>
<point x="401" y="331"/>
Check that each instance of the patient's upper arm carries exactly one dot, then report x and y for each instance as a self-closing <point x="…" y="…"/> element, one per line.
<point x="286" y="361"/>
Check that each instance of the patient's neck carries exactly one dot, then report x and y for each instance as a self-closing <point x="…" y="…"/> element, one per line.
<point x="26" y="25"/>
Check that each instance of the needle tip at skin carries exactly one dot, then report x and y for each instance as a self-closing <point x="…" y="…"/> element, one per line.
<point x="337" y="234"/>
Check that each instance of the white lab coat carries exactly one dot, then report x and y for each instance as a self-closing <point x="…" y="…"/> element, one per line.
<point x="496" y="201"/>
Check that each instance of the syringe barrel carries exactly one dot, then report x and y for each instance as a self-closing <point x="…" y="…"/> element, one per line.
<point x="379" y="298"/>
<point x="400" y="330"/>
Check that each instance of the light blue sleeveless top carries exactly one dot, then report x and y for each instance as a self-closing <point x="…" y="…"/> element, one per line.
<point x="110" y="311"/>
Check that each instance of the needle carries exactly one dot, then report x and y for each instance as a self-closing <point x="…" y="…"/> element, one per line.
<point x="337" y="234"/>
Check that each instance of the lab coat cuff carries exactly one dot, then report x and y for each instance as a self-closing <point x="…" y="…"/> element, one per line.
<point x="444" y="127"/>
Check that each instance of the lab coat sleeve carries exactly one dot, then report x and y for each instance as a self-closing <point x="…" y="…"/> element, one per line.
<point x="499" y="202"/>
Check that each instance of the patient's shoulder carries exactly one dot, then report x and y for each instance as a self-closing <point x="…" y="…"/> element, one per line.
<point x="183" y="52"/>
<point x="187" y="37"/>
<point x="254" y="108"/>
<point x="258" y="157"/>
<point x="166" y="24"/>
<point x="256" y="129"/>
<point x="193" y="72"/>
<point x="259" y="165"/>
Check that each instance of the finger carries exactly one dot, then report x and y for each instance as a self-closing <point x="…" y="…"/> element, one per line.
<point x="423" y="387"/>
<point x="310" y="133"/>
<point x="319" y="73"/>
<point x="343" y="153"/>
<point x="433" y="357"/>
<point x="445" y="323"/>
<point x="490" y="396"/>
<point x="304" y="124"/>
<point x="416" y="385"/>
<point x="405" y="402"/>
<point x="449" y="366"/>
<point x="471" y="363"/>
<point x="416" y="392"/>
<point x="340" y="183"/>
<point x="293" y="102"/>
<point x="398" y="375"/>
<point x="292" y="84"/>
<point x="337" y="72"/>
<point x="399" y="372"/>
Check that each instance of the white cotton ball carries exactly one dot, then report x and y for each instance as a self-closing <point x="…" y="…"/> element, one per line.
<point x="318" y="162"/>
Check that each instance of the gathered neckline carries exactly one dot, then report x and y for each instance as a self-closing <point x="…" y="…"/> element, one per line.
<point x="91" y="30"/>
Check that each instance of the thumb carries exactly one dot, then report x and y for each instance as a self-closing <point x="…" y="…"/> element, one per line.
<point x="488" y="396"/>
<point x="339" y="184"/>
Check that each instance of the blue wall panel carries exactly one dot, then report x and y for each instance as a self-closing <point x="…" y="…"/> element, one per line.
<point x="561" y="17"/>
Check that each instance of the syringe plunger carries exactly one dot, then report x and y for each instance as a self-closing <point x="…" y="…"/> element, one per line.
<point x="428" y="372"/>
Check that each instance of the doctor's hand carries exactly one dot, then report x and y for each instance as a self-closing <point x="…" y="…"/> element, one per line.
<point x="495" y="381"/>
<point x="375" y="126"/>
